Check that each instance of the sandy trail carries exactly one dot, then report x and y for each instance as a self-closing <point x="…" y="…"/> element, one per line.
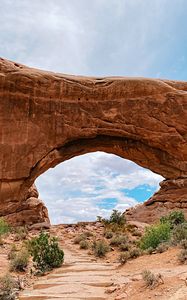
<point x="80" y="277"/>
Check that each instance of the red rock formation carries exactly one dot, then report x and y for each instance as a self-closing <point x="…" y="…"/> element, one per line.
<point x="47" y="118"/>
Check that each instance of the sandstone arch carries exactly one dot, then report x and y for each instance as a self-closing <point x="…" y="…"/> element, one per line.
<point x="46" y="118"/>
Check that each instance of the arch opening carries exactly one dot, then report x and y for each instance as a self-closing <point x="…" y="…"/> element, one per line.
<point x="93" y="184"/>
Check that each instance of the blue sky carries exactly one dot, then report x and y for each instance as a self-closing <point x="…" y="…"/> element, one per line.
<point x="97" y="37"/>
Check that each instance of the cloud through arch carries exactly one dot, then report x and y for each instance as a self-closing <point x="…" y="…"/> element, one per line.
<point x="94" y="184"/>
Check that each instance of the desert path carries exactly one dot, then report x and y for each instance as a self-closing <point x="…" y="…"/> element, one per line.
<point x="80" y="277"/>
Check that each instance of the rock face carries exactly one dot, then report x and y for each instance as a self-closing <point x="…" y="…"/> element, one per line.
<point x="47" y="118"/>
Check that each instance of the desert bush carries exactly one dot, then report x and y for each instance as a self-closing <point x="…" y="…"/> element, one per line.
<point x="179" y="233"/>
<point x="19" y="261"/>
<point x="21" y="233"/>
<point x="136" y="232"/>
<point x="150" y="279"/>
<point x="174" y="218"/>
<point x="154" y="235"/>
<point x="88" y="233"/>
<point x="123" y="258"/>
<point x="150" y="250"/>
<point x="134" y="253"/>
<point x="162" y="247"/>
<point x="99" y="219"/>
<point x="79" y="238"/>
<point x="124" y="247"/>
<point x="8" y="287"/>
<point x="4" y="227"/>
<point x="108" y="234"/>
<point x="118" y="240"/>
<point x="116" y="217"/>
<point x="183" y="244"/>
<point x="46" y="252"/>
<point x="182" y="256"/>
<point x="84" y="244"/>
<point x="12" y="252"/>
<point x="100" y="248"/>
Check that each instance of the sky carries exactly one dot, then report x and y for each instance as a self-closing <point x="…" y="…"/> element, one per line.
<point x="96" y="38"/>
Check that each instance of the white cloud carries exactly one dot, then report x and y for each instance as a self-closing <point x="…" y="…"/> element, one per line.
<point x="100" y="37"/>
<point x="75" y="190"/>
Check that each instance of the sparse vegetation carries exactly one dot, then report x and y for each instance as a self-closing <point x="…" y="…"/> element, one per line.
<point x="8" y="287"/>
<point x="88" y="234"/>
<point x="134" y="253"/>
<point x="116" y="217"/>
<point x="150" y="250"/>
<point x="162" y="247"/>
<point x="136" y="232"/>
<point x="150" y="279"/>
<point x="84" y="244"/>
<point x="21" y="233"/>
<point x="19" y="260"/>
<point x="108" y="234"/>
<point x="46" y="252"/>
<point x="183" y="244"/>
<point x="123" y="258"/>
<point x="117" y="240"/>
<point x="4" y="227"/>
<point x="79" y="238"/>
<point x="100" y="248"/>
<point x="179" y="233"/>
<point x="12" y="252"/>
<point x="124" y="247"/>
<point x="182" y="257"/>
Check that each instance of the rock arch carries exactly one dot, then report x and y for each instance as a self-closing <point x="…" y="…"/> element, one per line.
<point x="46" y="118"/>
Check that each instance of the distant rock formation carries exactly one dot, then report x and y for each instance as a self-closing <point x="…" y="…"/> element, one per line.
<point x="47" y="118"/>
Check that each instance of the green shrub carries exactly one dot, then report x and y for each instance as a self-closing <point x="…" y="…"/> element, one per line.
<point x="46" y="252"/>
<point x="84" y="244"/>
<point x="4" y="227"/>
<point x="8" y="287"/>
<point x="118" y="240"/>
<point x="174" y="218"/>
<point x="182" y="257"/>
<point x="19" y="261"/>
<point x="117" y="217"/>
<point x="154" y="235"/>
<point x="123" y="258"/>
<point x="100" y="248"/>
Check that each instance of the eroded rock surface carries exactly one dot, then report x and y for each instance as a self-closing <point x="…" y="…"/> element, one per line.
<point x="47" y="118"/>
